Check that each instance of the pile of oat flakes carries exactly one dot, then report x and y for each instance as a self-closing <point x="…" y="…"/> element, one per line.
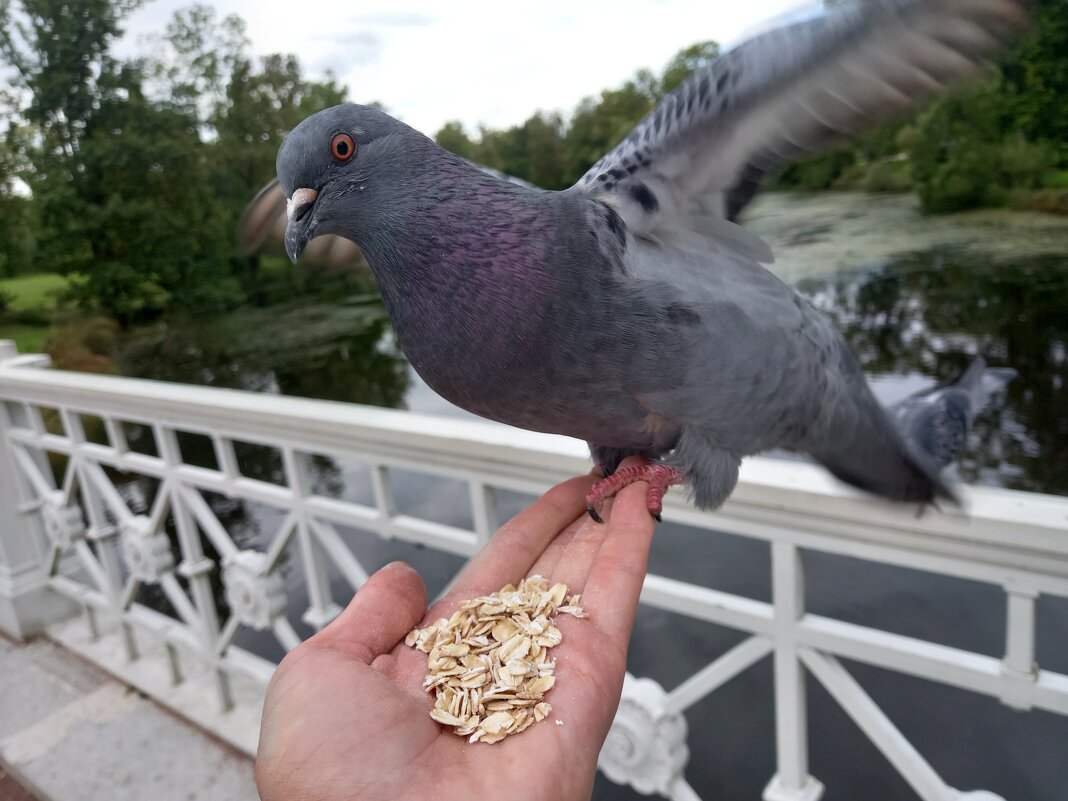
<point x="488" y="665"/>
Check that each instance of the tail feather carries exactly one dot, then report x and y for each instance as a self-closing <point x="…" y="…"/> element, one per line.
<point x="877" y="459"/>
<point x="862" y="446"/>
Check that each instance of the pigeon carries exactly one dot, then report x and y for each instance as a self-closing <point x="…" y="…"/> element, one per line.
<point x="631" y="310"/>
<point x="937" y="420"/>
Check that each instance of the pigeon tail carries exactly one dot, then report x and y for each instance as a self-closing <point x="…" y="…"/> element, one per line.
<point x="882" y="463"/>
<point x="869" y="449"/>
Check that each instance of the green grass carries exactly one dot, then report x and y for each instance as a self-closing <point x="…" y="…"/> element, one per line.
<point x="28" y="338"/>
<point x="34" y="292"/>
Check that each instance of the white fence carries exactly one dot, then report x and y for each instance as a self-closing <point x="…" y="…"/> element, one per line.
<point x="74" y="555"/>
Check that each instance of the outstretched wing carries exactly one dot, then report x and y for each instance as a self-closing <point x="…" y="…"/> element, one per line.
<point x="701" y="153"/>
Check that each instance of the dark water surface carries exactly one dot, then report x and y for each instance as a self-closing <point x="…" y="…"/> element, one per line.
<point x="912" y="321"/>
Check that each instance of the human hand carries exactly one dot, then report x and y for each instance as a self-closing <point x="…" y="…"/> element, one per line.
<point x="346" y="715"/>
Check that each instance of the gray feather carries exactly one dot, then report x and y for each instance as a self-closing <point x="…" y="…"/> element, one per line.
<point x="791" y="92"/>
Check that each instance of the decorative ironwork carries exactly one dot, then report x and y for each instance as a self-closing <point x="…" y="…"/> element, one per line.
<point x="255" y="596"/>
<point x="645" y="747"/>
<point x="147" y="552"/>
<point x="63" y="522"/>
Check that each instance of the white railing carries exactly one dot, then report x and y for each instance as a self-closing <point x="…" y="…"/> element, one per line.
<point x="80" y="544"/>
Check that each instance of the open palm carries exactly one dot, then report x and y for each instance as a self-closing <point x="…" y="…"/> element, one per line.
<point x="346" y="716"/>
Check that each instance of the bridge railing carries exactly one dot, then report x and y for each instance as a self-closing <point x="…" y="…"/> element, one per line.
<point x="83" y="544"/>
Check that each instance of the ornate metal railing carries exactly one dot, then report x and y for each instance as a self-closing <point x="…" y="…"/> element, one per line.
<point x="79" y="548"/>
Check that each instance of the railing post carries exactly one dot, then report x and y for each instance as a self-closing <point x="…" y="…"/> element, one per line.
<point x="792" y="782"/>
<point x="27" y="604"/>
<point x="1018" y="667"/>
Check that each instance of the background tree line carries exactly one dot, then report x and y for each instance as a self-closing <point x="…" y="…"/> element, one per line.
<point x="1000" y="141"/>
<point x="139" y="168"/>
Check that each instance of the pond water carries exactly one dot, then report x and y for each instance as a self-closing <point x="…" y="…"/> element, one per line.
<point x="916" y="298"/>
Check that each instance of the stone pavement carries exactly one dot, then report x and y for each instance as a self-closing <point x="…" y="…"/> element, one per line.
<point x="70" y="732"/>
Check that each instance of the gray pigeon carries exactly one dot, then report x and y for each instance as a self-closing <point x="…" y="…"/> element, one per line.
<point x="937" y="420"/>
<point x="628" y="310"/>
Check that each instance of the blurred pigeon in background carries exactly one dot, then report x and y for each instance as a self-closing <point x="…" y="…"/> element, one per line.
<point x="938" y="420"/>
<point x="630" y="310"/>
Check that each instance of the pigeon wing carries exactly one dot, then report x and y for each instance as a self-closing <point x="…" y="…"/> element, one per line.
<point x="701" y="153"/>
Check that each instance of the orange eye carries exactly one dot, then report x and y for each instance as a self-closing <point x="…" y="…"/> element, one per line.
<point x="342" y="147"/>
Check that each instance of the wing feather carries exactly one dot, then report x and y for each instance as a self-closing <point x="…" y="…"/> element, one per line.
<point x="788" y="93"/>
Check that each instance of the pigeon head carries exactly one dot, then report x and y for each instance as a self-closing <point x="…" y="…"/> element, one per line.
<point x="337" y="169"/>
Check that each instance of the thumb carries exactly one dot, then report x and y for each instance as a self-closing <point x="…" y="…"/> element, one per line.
<point x="389" y="605"/>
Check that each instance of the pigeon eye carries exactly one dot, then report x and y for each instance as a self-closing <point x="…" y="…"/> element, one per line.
<point x="342" y="147"/>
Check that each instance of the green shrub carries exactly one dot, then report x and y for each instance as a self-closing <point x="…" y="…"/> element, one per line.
<point x="1048" y="201"/>
<point x="888" y="176"/>
<point x="965" y="155"/>
<point x="85" y="344"/>
<point x="823" y="172"/>
<point x="1024" y="164"/>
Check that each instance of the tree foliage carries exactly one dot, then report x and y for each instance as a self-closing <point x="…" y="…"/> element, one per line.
<point x="129" y="175"/>
<point x="138" y="170"/>
<point x="1034" y="79"/>
<point x="686" y="62"/>
<point x="553" y="153"/>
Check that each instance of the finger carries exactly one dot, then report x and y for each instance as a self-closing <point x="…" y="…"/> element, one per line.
<point x="574" y="564"/>
<point x="509" y="554"/>
<point x="550" y="557"/>
<point x="576" y="558"/>
<point x="615" y="580"/>
<point x="383" y="611"/>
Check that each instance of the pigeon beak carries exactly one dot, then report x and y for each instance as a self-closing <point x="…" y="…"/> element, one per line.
<point x="297" y="208"/>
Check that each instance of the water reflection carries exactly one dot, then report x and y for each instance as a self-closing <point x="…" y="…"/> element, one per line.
<point x="928" y="313"/>
<point x="341" y="351"/>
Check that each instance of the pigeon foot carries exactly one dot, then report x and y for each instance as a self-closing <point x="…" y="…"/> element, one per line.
<point x="659" y="477"/>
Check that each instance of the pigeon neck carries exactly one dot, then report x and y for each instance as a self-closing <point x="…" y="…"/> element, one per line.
<point x="466" y="264"/>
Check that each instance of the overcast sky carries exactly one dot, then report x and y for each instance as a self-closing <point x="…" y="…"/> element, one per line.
<point x="492" y="63"/>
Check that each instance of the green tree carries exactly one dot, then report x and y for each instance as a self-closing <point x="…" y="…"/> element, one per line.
<point x="58" y="50"/>
<point x="534" y="151"/>
<point x="202" y="67"/>
<point x="488" y="150"/>
<point x="1035" y="76"/>
<point x="454" y="138"/>
<point x="600" y="124"/>
<point x="192" y="61"/>
<point x="686" y="62"/>
<point x="261" y="106"/>
<point x="153" y="236"/>
<point x="16" y="217"/>
<point x="121" y="191"/>
<point x="966" y="152"/>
